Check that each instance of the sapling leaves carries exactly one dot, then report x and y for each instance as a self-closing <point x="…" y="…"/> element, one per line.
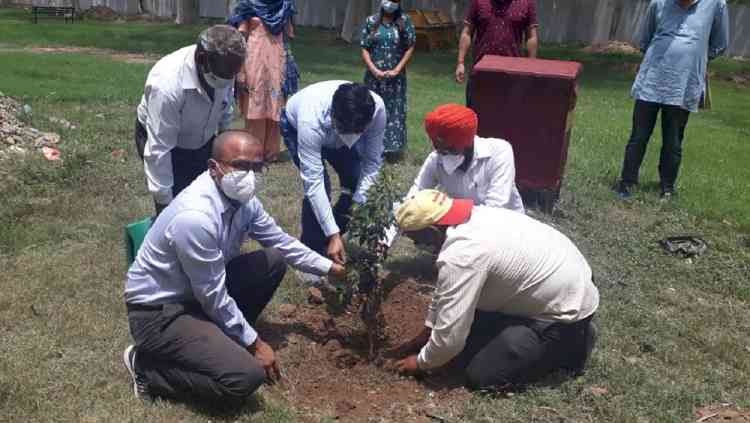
<point x="368" y="228"/>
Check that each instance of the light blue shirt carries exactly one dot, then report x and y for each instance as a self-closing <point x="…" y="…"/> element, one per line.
<point x="177" y="112"/>
<point x="309" y="112"/>
<point x="678" y="43"/>
<point x="185" y="253"/>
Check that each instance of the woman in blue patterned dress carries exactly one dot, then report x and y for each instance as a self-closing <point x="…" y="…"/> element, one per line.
<point x="387" y="42"/>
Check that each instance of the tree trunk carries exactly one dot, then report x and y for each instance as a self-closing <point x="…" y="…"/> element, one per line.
<point x="188" y="12"/>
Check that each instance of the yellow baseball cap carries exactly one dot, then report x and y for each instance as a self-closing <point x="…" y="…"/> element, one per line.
<point x="432" y="207"/>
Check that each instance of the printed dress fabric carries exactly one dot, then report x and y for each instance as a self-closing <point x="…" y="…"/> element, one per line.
<point x="263" y="73"/>
<point x="387" y="47"/>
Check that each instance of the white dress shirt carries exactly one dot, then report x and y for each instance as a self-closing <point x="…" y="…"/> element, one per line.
<point x="177" y="112"/>
<point x="490" y="179"/>
<point x="506" y="262"/>
<point x="184" y="255"/>
<point x="309" y="112"/>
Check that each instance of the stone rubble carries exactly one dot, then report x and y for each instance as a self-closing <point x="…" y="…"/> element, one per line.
<point x="17" y="138"/>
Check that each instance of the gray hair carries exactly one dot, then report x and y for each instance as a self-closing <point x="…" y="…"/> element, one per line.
<point x="223" y="40"/>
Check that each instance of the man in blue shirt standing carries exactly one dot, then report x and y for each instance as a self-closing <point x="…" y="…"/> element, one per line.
<point x="678" y="38"/>
<point x="342" y="123"/>
<point x="193" y="297"/>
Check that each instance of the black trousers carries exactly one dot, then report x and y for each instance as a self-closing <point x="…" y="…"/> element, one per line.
<point x="469" y="88"/>
<point x="504" y="351"/>
<point x="673" y="122"/>
<point x="182" y="354"/>
<point x="186" y="164"/>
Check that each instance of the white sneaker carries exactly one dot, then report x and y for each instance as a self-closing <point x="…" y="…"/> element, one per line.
<point x="140" y="390"/>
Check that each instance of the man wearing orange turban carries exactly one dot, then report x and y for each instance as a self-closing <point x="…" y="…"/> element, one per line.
<point x="465" y="165"/>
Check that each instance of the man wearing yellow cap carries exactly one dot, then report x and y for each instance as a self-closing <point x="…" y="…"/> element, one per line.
<point x="465" y="165"/>
<point x="514" y="297"/>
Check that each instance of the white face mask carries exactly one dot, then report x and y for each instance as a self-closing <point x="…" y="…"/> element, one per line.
<point x="214" y="81"/>
<point x="451" y="162"/>
<point x="349" y="139"/>
<point x="239" y="185"/>
<point x="389" y="6"/>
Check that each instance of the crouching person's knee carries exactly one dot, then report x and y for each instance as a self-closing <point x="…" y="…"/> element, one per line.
<point x="276" y="265"/>
<point x="242" y="382"/>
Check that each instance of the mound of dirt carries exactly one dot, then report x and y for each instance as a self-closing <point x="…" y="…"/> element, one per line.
<point x="101" y="13"/>
<point x="18" y="138"/>
<point x="611" y="47"/>
<point x="740" y="78"/>
<point x="146" y="17"/>
<point x="326" y="372"/>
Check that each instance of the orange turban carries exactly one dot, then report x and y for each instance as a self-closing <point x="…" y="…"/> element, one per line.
<point x="453" y="124"/>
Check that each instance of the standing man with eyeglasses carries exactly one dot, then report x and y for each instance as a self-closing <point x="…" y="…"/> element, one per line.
<point x="341" y="123"/>
<point x="187" y="100"/>
<point x="464" y="165"/>
<point x="193" y="297"/>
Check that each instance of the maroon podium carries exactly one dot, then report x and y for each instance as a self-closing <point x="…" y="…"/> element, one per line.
<point x="530" y="103"/>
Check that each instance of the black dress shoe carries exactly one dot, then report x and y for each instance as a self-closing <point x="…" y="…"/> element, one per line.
<point x="623" y="190"/>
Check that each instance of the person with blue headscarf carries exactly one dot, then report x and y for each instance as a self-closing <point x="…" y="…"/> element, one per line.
<point x="269" y="75"/>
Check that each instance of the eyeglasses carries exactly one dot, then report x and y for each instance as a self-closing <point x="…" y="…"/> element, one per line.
<point x="346" y="128"/>
<point x="260" y="167"/>
<point x="225" y="67"/>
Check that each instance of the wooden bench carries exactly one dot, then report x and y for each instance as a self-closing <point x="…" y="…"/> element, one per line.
<point x="66" y="12"/>
<point x="434" y="29"/>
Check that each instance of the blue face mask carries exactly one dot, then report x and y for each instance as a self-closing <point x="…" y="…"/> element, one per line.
<point x="389" y="6"/>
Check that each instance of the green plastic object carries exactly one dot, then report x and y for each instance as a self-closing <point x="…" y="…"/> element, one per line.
<point x="135" y="233"/>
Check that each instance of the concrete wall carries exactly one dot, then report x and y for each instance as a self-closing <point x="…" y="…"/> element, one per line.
<point x="586" y="21"/>
<point x="562" y="21"/>
<point x="599" y="21"/>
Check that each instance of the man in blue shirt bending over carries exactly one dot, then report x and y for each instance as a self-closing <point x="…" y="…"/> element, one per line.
<point x="678" y="38"/>
<point x="193" y="297"/>
<point x="342" y="123"/>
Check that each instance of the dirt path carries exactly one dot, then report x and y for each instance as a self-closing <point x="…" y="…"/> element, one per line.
<point x="112" y="54"/>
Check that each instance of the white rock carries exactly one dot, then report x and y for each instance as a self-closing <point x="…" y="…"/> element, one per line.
<point x="47" y="138"/>
<point x="17" y="150"/>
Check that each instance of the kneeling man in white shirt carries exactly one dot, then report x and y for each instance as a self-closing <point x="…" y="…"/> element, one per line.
<point x="514" y="297"/>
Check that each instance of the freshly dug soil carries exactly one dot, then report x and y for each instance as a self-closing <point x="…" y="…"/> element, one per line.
<point x="102" y="13"/>
<point x="326" y="372"/>
<point x="611" y="47"/>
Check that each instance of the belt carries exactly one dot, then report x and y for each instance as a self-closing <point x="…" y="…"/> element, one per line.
<point x="144" y="307"/>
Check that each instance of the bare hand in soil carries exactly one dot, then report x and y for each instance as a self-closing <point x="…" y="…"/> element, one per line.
<point x="338" y="272"/>
<point x="336" y="250"/>
<point x="266" y="358"/>
<point x="408" y="365"/>
<point x="414" y="345"/>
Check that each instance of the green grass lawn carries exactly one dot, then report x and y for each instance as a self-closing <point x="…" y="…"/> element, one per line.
<point x="673" y="333"/>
